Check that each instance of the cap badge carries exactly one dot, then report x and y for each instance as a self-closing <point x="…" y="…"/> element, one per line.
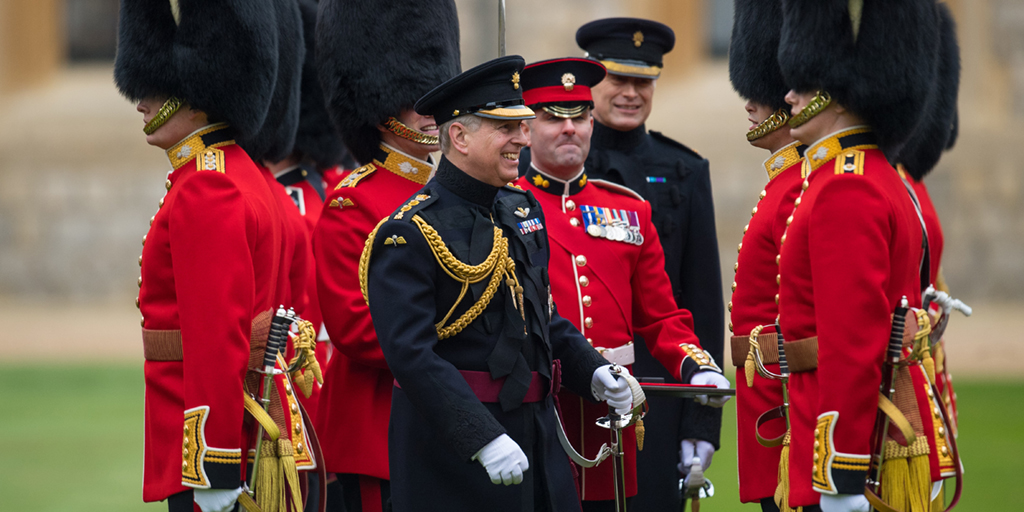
<point x="515" y="80"/>
<point x="568" y="80"/>
<point x="638" y="38"/>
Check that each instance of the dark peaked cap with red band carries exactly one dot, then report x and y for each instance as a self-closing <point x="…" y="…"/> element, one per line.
<point x="492" y="89"/>
<point x="561" y="83"/>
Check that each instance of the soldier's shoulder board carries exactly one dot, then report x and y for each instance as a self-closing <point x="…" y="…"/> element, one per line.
<point x="414" y="205"/>
<point x="850" y="161"/>
<point x="661" y="137"/>
<point x="356" y="176"/>
<point x="211" y="159"/>
<point x="618" y="189"/>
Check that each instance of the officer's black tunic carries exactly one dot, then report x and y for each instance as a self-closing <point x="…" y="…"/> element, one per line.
<point x="437" y="423"/>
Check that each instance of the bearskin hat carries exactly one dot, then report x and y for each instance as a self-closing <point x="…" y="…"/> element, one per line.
<point x="276" y="138"/>
<point x="877" y="58"/>
<point x="938" y="129"/>
<point x="377" y="58"/>
<point x="317" y="140"/>
<point x="754" y="52"/>
<point x="219" y="56"/>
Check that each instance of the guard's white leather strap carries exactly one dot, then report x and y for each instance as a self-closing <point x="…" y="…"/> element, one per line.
<point x="622" y="355"/>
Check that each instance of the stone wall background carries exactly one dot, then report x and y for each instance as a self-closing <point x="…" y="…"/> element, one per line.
<point x="78" y="183"/>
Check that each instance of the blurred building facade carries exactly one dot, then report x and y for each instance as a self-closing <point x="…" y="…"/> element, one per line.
<point x="78" y="183"/>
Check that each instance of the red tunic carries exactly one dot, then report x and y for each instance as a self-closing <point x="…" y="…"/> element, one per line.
<point x="210" y="264"/>
<point x="610" y="290"/>
<point x="355" y="403"/>
<point x="752" y="305"/>
<point x="849" y="256"/>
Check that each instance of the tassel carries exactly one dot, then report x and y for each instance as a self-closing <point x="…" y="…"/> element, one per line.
<point x="748" y="368"/>
<point x="896" y="483"/>
<point x="939" y="503"/>
<point x="290" y="476"/>
<point x="782" y="491"/>
<point x="267" y="481"/>
<point x="639" y="435"/>
<point x="920" y="484"/>
<point x="929" y="364"/>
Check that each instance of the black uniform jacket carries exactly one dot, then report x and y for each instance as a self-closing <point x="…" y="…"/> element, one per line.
<point x="677" y="182"/>
<point x="437" y="422"/>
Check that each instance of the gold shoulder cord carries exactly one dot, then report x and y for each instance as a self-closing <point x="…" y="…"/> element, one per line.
<point x="498" y="264"/>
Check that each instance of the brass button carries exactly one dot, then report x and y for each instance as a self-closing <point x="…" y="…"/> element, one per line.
<point x="167" y="184"/>
<point x="762" y="194"/>
<point x="753" y="211"/>
<point x="783" y="238"/>
<point x="945" y="451"/>
<point x="942" y="432"/>
<point x="570" y="205"/>
<point x="185" y="442"/>
<point x="739" y="247"/>
<point x="734" y="286"/>
<point x="140" y="260"/>
<point x="186" y="430"/>
<point x="736" y="267"/>
<point x="138" y="303"/>
<point x="588" y="322"/>
<point x="298" y="429"/>
<point x="288" y="389"/>
<point x="584" y="281"/>
<point x="778" y="257"/>
<point x="805" y="185"/>
<point x="140" y="281"/>
<point x="142" y="321"/>
<point x="143" y="240"/>
<point x="161" y="203"/>
<point x="778" y="278"/>
<point x="745" y="228"/>
<point x="817" y="444"/>
<point x="184" y="452"/>
<point x="152" y="219"/>
<point x="936" y="412"/>
<point x="581" y="261"/>
<point x="299" y="448"/>
<point x="730" y="306"/>
<point x="590" y="340"/>
<point x="586" y="300"/>
<point x="930" y="394"/>
<point x="789" y="220"/>
<point x="574" y="222"/>
<point x="796" y="203"/>
<point x="184" y="466"/>
<point x="816" y="457"/>
<point x="730" y="326"/>
<point x="295" y="408"/>
<point x="815" y="470"/>
<point x="817" y="432"/>
<point x="776" y="298"/>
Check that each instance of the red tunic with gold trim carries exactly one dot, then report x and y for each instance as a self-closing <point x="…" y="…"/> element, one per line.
<point x="210" y="264"/>
<point x="355" y="402"/>
<point x="850" y="255"/>
<point x="608" y="279"/>
<point x="752" y="305"/>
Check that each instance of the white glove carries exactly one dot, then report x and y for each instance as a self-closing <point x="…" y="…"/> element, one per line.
<point x="503" y="460"/>
<point x="706" y="377"/>
<point x="216" y="500"/>
<point x="691" y="448"/>
<point x="845" y="503"/>
<point x="612" y="389"/>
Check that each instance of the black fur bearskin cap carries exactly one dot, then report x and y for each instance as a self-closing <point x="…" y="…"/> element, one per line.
<point x="377" y="58"/>
<point x="221" y="58"/>
<point x="938" y="130"/>
<point x="317" y="140"/>
<point x="754" y="52"/>
<point x="883" y="74"/>
<point x="276" y="138"/>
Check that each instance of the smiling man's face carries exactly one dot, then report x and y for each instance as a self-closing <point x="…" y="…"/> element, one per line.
<point x="623" y="102"/>
<point x="493" y="151"/>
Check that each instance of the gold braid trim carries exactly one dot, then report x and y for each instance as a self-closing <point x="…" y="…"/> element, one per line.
<point x="498" y="264"/>
<point x="773" y="122"/>
<point x="818" y="103"/>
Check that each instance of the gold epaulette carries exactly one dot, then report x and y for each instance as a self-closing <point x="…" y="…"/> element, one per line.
<point x="356" y="176"/>
<point x="850" y="161"/>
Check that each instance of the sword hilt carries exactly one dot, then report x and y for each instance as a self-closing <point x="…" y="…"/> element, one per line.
<point x="899" y="320"/>
<point x="783" y="364"/>
<point x="278" y="335"/>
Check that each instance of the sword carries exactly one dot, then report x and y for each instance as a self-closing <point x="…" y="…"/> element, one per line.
<point x="275" y="341"/>
<point x="947" y="305"/>
<point x="887" y="389"/>
<point x="616" y="422"/>
<point x="501" y="28"/>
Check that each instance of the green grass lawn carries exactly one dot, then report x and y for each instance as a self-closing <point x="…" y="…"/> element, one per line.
<point x="71" y="440"/>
